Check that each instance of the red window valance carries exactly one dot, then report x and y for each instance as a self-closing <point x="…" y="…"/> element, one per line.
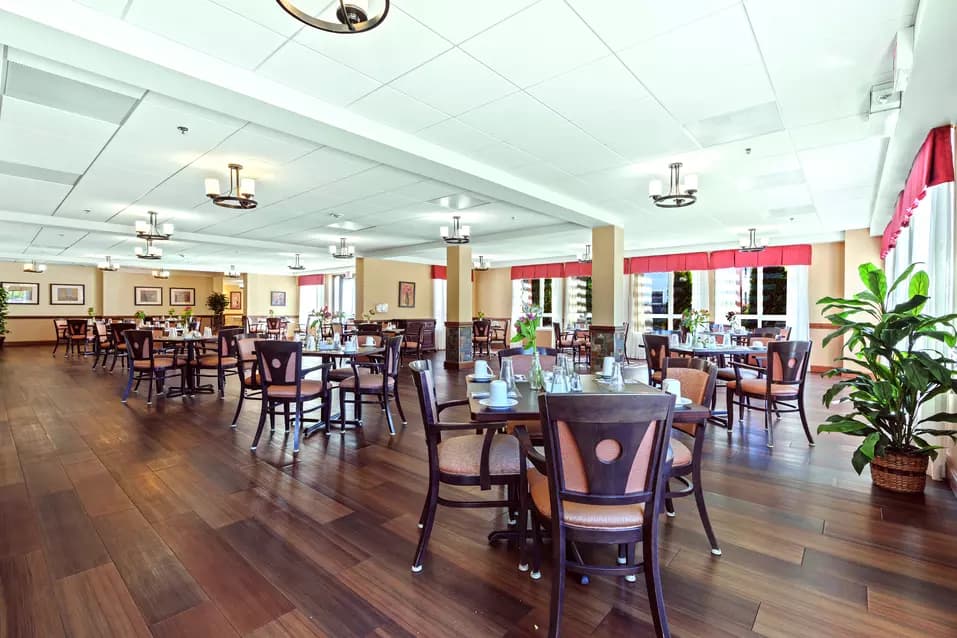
<point x="933" y="165"/>
<point x="538" y="271"/>
<point x="796" y="255"/>
<point x="439" y="272"/>
<point x="577" y="269"/>
<point x="667" y="263"/>
<point x="312" y="280"/>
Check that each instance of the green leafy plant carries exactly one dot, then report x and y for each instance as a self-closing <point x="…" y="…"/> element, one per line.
<point x="3" y="311"/>
<point x="480" y="315"/>
<point x="217" y="302"/>
<point x="140" y="316"/>
<point x="526" y="326"/>
<point x="90" y="311"/>
<point x="897" y="370"/>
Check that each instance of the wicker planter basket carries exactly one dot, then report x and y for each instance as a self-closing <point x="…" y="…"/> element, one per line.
<point x="900" y="472"/>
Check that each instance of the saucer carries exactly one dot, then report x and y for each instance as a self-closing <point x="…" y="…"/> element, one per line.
<point x="476" y="379"/>
<point x="679" y="401"/>
<point x="488" y="404"/>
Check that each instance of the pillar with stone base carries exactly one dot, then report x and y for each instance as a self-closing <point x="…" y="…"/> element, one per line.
<point x="458" y="326"/>
<point x="608" y="293"/>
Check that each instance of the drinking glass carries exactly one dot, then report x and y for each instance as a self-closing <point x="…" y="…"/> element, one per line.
<point x="559" y="379"/>
<point x="575" y="382"/>
<point x="617" y="382"/>
<point x="507" y="374"/>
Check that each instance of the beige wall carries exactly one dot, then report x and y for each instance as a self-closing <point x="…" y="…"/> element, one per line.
<point x="859" y="248"/>
<point x="230" y="288"/>
<point x="493" y="292"/>
<point x="258" y="294"/>
<point x="377" y="282"/>
<point x="118" y="291"/>
<point x="825" y="279"/>
<point x="24" y="329"/>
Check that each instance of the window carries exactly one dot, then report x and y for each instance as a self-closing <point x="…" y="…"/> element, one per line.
<point x="343" y="297"/>
<point x="539" y="293"/>
<point x="758" y="295"/>
<point x="578" y="293"/>
<point x="665" y="295"/>
<point x="310" y="299"/>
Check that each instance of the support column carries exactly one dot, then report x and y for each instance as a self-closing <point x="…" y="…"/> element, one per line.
<point x="458" y="324"/>
<point x="608" y="294"/>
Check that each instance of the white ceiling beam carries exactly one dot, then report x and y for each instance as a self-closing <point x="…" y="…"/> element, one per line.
<point x="537" y="232"/>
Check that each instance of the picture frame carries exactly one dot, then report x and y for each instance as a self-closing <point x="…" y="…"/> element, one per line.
<point x="67" y="294"/>
<point x="147" y="296"/>
<point x="277" y="298"/>
<point x="406" y="294"/>
<point x="22" y="293"/>
<point x="182" y="296"/>
<point x="236" y="300"/>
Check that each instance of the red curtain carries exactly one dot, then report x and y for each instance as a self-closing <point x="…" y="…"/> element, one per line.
<point x="538" y="271"/>
<point x="311" y="280"/>
<point x="667" y="263"/>
<point x="796" y="255"/>
<point x="933" y="165"/>
<point x="439" y="272"/>
<point x="576" y="269"/>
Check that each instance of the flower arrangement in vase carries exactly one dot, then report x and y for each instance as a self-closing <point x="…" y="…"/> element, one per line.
<point x="525" y="331"/>
<point x="733" y="320"/>
<point x="140" y="317"/>
<point x="694" y="320"/>
<point x="187" y="316"/>
<point x="90" y="312"/>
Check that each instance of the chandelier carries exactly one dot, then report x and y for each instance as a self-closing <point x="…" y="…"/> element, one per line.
<point x="680" y="193"/>
<point x="352" y="18"/>
<point x="151" y="251"/>
<point x="459" y="235"/>
<point x="108" y="265"/>
<point x="151" y="230"/>
<point x="585" y="257"/>
<point x="296" y="265"/>
<point x="34" y="267"/>
<point x="160" y="274"/>
<point x="482" y="263"/>
<point x="232" y="272"/>
<point x="240" y="194"/>
<point x="752" y="244"/>
<point x="342" y="250"/>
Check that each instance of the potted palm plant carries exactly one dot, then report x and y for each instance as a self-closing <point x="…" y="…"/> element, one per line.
<point x="217" y="302"/>
<point x="3" y="315"/>
<point x="897" y="369"/>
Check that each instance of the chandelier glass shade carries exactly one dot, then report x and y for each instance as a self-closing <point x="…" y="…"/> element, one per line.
<point x="585" y="257"/>
<point x="350" y="17"/>
<point x="342" y="250"/>
<point x="458" y="234"/>
<point x="752" y="244"/>
<point x="296" y="265"/>
<point x="241" y="193"/>
<point x="152" y="230"/>
<point x="108" y="265"/>
<point x="232" y="272"/>
<point x="150" y="252"/>
<point x="34" y="267"/>
<point x="160" y="274"/>
<point x="680" y="193"/>
<point x="482" y="263"/>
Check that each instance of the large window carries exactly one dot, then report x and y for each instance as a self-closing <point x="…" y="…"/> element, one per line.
<point x="343" y="295"/>
<point x="578" y="293"/>
<point x="665" y="295"/>
<point x="539" y="293"/>
<point x="757" y="295"/>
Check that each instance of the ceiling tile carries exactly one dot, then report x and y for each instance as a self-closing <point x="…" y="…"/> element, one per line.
<point x="303" y="69"/>
<point x="843" y="165"/>
<point x="392" y="108"/>
<point x="271" y="15"/>
<point x="540" y="42"/>
<point x="53" y="237"/>
<point x="48" y="89"/>
<point x="502" y="155"/>
<point x="30" y="196"/>
<point x="457" y="21"/>
<point x="454" y="82"/>
<point x="456" y="136"/>
<point x="705" y="68"/>
<point x="112" y="7"/>
<point x="845" y="129"/>
<point x="207" y="27"/>
<point x="406" y="44"/>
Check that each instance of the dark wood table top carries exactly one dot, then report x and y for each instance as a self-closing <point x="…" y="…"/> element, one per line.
<point x="714" y="351"/>
<point x="341" y="352"/>
<point x="527" y="408"/>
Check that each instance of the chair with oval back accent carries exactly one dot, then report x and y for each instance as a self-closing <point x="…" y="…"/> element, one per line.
<point x="522" y="362"/>
<point x="117" y="328"/>
<point x="225" y="360"/>
<point x="78" y="335"/>
<point x="250" y="386"/>
<point x="697" y="378"/>
<point x="657" y="352"/>
<point x="274" y="328"/>
<point x="601" y="481"/>
<point x="381" y="381"/>
<point x="412" y="339"/>
<point x="147" y="365"/>
<point x="102" y="343"/>
<point x="60" y="327"/>
<point x="784" y="377"/>
<point x="481" y="337"/>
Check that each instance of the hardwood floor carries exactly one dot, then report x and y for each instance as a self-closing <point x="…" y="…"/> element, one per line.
<point x="125" y="520"/>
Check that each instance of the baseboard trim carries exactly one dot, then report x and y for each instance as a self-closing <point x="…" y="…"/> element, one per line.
<point x="11" y="344"/>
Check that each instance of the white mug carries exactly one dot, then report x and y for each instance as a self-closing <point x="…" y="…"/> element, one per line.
<point x="757" y="343"/>
<point x="481" y="369"/>
<point x="207" y="332"/>
<point x="608" y="366"/>
<point x="671" y="386"/>
<point x="370" y="341"/>
<point x="498" y="393"/>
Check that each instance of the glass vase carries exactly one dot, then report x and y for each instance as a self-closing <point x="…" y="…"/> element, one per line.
<point x="536" y="376"/>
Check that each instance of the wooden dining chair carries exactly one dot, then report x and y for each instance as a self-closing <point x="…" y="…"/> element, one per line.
<point x="657" y="352"/>
<point x="280" y="373"/>
<point x="146" y="365"/>
<point x="250" y="386"/>
<point x="697" y="378"/>
<point x="781" y="382"/>
<point x="499" y="332"/>
<point x="224" y="361"/>
<point x="522" y="362"/>
<point x="481" y="337"/>
<point x="378" y="379"/>
<point x="564" y="341"/>
<point x="78" y="331"/>
<point x="61" y="329"/>
<point x="102" y="344"/>
<point x="117" y="328"/>
<point x="601" y="481"/>
<point x="274" y="328"/>
<point x="481" y="456"/>
<point x="412" y="339"/>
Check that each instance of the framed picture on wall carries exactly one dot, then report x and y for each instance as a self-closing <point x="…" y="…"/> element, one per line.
<point x="236" y="300"/>
<point x="67" y="294"/>
<point x="277" y="298"/>
<point x="182" y="296"/>
<point x="406" y="294"/>
<point x="21" y="293"/>
<point x="147" y="296"/>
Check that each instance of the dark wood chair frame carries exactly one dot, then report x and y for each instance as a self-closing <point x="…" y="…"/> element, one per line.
<point x="225" y="347"/>
<point x="117" y="328"/>
<point x="152" y="374"/>
<point x="656" y="363"/>
<point x="274" y="328"/>
<point x="591" y="419"/>
<point x="388" y="367"/>
<point x="692" y="485"/>
<point x="251" y="389"/>
<point x="516" y="500"/>
<point x="511" y="352"/>
<point x="416" y="338"/>
<point x="78" y="328"/>
<point x="103" y="344"/>
<point x="777" y="403"/>
<point x="482" y="337"/>
<point x="62" y="332"/>
<point x="499" y="334"/>
<point x="564" y="341"/>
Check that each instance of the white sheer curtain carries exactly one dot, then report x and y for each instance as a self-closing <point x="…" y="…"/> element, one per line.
<point x="639" y="307"/>
<point x="798" y="304"/>
<point x="518" y="298"/>
<point x="558" y="300"/>
<point x="439" y="294"/>
<point x="700" y="291"/>
<point x="573" y="290"/>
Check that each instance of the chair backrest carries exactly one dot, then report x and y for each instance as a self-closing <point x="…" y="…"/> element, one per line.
<point x="369" y="328"/>
<point x="557" y="327"/>
<point x="788" y="362"/>
<point x="522" y="362"/>
<point x="76" y="327"/>
<point x="119" y="327"/>
<point x="245" y="347"/>
<point x="392" y="356"/>
<point x="784" y="333"/>
<point x="60" y="326"/>
<point x="279" y="363"/>
<point x="99" y="329"/>
<point x="606" y="449"/>
<point x="273" y="323"/>
<point x="657" y="351"/>
<point x="226" y="342"/>
<point x="697" y="376"/>
<point x="765" y="333"/>
<point x="428" y="403"/>
<point x="481" y="328"/>
<point x="413" y="332"/>
<point x="139" y="344"/>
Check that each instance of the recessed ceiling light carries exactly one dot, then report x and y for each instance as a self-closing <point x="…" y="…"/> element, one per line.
<point x="459" y="201"/>
<point x="183" y="130"/>
<point x="335" y="215"/>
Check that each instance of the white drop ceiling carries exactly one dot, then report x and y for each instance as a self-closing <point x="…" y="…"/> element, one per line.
<point x="557" y="113"/>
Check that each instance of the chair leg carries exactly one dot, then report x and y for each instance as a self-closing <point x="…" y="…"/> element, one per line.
<point x="129" y="386"/>
<point x="296" y="426"/>
<point x="649" y="550"/>
<point x="55" y="346"/>
<point x="239" y="407"/>
<point x="431" y="504"/>
<point x="342" y="411"/>
<point x="388" y="415"/>
<point x="807" y="431"/>
<point x="522" y="527"/>
<point x="558" y="581"/>
<point x="702" y="508"/>
<point x="767" y="423"/>
<point x="262" y="424"/>
<point x="149" y="394"/>
<point x="669" y="504"/>
<point x="630" y="560"/>
<point x="729" y="393"/>
<point x="537" y="547"/>
<point x="398" y="404"/>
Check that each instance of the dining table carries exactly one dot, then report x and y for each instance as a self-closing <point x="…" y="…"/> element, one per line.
<point x="189" y="388"/>
<point x="332" y="354"/>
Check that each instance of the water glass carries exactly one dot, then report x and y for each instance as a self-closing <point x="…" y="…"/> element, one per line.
<point x="507" y="374"/>
<point x="617" y="382"/>
<point x="575" y="382"/>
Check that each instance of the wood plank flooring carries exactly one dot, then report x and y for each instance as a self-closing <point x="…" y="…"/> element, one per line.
<point x="135" y="521"/>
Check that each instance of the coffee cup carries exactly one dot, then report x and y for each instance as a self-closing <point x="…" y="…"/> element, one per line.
<point x="498" y="393"/>
<point x="607" y="366"/>
<point x="671" y="386"/>
<point x="757" y="343"/>
<point x="370" y="341"/>
<point x="481" y="369"/>
<point x="207" y="332"/>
